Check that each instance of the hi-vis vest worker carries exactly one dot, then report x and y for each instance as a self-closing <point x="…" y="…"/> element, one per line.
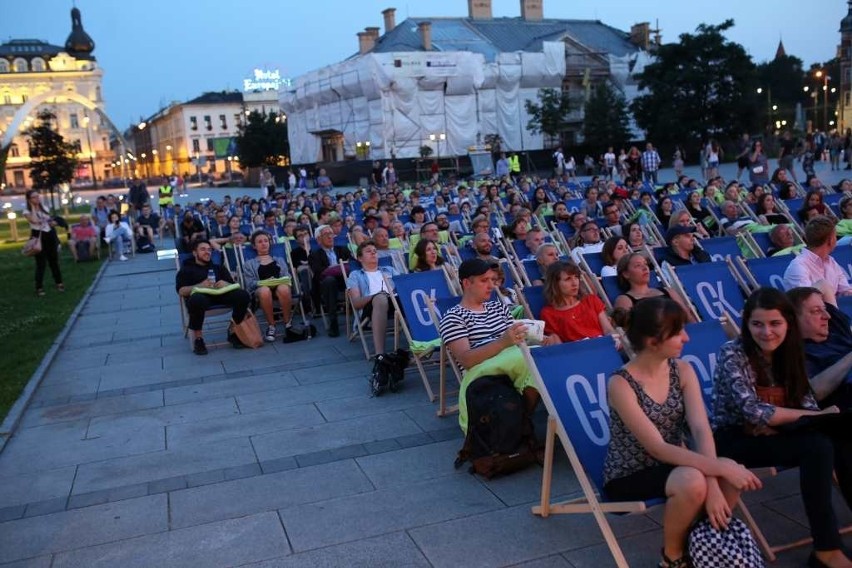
<point x="166" y="195"/>
<point x="514" y="164"/>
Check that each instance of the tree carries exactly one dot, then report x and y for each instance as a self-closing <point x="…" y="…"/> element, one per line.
<point x="606" y="121"/>
<point x="263" y="140"/>
<point x="702" y="86"/>
<point x="425" y="151"/>
<point x="550" y="115"/>
<point x="53" y="160"/>
<point x="780" y="81"/>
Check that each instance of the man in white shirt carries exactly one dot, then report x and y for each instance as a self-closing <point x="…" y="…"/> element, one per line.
<point x="814" y="266"/>
<point x="559" y="162"/>
<point x="590" y="240"/>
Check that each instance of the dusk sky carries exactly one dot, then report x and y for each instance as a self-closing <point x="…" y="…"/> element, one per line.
<point x="157" y="51"/>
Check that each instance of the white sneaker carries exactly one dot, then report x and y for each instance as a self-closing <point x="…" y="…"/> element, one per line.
<point x="107" y="240"/>
<point x="122" y="257"/>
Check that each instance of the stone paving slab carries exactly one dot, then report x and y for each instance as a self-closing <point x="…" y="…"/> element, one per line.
<point x="39" y="486"/>
<point x="394" y="549"/>
<point x="385" y="510"/>
<point x="163" y="416"/>
<point x="99" y="407"/>
<point x="250" y="384"/>
<point x="266" y="493"/>
<point x="333" y="435"/>
<point x="80" y="528"/>
<point x="227" y="543"/>
<point x="40" y="562"/>
<point x="111" y="473"/>
<point x="289" y="395"/>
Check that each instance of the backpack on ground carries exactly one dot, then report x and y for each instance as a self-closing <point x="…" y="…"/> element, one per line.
<point x="733" y="547"/>
<point x="144" y="244"/>
<point x="388" y="371"/>
<point x="500" y="436"/>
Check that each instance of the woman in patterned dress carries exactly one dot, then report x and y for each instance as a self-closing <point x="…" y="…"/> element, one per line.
<point x="653" y="400"/>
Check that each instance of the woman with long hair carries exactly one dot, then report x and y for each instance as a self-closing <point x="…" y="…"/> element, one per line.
<point x="43" y="225"/>
<point x="569" y="313"/>
<point x="760" y="389"/>
<point x="265" y="267"/>
<point x="614" y="248"/>
<point x="634" y="277"/>
<point x="664" y="210"/>
<point x="634" y="234"/>
<point x="766" y="211"/>
<point x="812" y="206"/>
<point x="654" y="401"/>
<point x="428" y="256"/>
<point x="697" y="210"/>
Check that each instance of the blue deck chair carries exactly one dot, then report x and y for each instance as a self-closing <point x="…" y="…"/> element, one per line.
<point x="843" y="256"/>
<point x="705" y="339"/>
<point x="720" y="248"/>
<point x="762" y="241"/>
<point x="520" y="249"/>
<point x="437" y="308"/>
<point x="532" y="269"/>
<point x="214" y="311"/>
<point x="414" y="318"/>
<point x="532" y="298"/>
<point x="765" y="271"/>
<point x="592" y="262"/>
<point x="844" y="304"/>
<point x="572" y="379"/>
<point x="713" y="289"/>
<point x="612" y="291"/>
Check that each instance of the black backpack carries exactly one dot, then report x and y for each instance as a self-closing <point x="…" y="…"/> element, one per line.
<point x="143" y="244"/>
<point x="500" y="436"/>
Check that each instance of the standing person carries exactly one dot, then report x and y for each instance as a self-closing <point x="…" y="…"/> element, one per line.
<point x="650" y="163"/>
<point x="502" y="167"/>
<point x="389" y="175"/>
<point x="677" y="161"/>
<point x="654" y="400"/>
<point x="43" y="225"/>
<point x="610" y="169"/>
<point x="165" y="196"/>
<point x="137" y="197"/>
<point x="743" y="150"/>
<point x="558" y="162"/>
<point x="758" y="165"/>
<point x="787" y="153"/>
<point x="515" y="164"/>
<point x="714" y="156"/>
<point x="633" y="163"/>
<point x="291" y="180"/>
<point x="760" y="387"/>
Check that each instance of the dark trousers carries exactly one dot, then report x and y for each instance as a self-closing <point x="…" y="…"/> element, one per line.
<point x="816" y="455"/>
<point x="198" y="304"/>
<point x="328" y="287"/>
<point x="49" y="256"/>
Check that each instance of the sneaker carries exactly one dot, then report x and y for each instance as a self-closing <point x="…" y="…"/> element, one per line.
<point x="122" y="258"/>
<point x="270" y="334"/>
<point x="107" y="240"/>
<point x="380" y="376"/>
<point x="199" y="348"/>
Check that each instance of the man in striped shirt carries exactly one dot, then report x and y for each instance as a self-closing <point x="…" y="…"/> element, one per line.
<point x="650" y="163"/>
<point x="482" y="336"/>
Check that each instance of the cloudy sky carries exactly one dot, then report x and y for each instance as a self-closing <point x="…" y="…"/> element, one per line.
<point x="156" y="51"/>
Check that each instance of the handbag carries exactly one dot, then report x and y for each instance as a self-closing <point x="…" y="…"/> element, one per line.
<point x="733" y="547"/>
<point x="33" y="246"/>
<point x="247" y="332"/>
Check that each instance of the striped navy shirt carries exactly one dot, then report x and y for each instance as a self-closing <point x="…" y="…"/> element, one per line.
<point x="478" y="327"/>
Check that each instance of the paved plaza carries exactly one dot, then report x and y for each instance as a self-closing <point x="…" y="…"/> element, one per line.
<point x="135" y="452"/>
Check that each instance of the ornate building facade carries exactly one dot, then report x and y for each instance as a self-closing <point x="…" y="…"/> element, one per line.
<point x="65" y="79"/>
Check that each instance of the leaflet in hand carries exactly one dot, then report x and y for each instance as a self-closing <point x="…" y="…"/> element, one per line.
<point x="215" y="291"/>
<point x="535" y="330"/>
<point x="271" y="282"/>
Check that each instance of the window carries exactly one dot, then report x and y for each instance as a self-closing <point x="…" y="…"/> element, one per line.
<point x="208" y="124"/>
<point x="7" y="99"/>
<point x="4" y="66"/>
<point x="24" y="98"/>
<point x="238" y="119"/>
<point x="196" y="145"/>
<point x="38" y="64"/>
<point x="21" y="65"/>
<point x="209" y="144"/>
<point x="14" y="152"/>
<point x="97" y="94"/>
<point x="223" y="121"/>
<point x="193" y="123"/>
<point x="78" y="147"/>
<point x="75" y="122"/>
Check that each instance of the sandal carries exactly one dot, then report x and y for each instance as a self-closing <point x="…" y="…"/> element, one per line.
<point x="682" y="562"/>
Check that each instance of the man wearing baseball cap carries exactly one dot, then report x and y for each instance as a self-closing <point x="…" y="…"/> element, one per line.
<point x="682" y="249"/>
<point x="482" y="336"/>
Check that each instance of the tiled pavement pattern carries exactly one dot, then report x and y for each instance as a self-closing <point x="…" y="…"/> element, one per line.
<point x="134" y="452"/>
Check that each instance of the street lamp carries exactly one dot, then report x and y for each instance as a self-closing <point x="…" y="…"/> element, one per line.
<point x="769" y="106"/>
<point x="91" y="152"/>
<point x="825" y="79"/>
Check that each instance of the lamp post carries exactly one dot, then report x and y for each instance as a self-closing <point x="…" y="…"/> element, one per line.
<point x="91" y="152"/>
<point x="769" y="106"/>
<point x="825" y="79"/>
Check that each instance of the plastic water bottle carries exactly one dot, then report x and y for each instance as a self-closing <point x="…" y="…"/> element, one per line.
<point x="211" y="275"/>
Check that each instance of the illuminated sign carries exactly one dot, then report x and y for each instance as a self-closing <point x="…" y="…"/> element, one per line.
<point x="265" y="81"/>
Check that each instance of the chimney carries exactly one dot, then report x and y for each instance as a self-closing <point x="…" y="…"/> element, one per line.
<point x="425" y="29"/>
<point x="532" y="10"/>
<point x="640" y="35"/>
<point x="479" y="9"/>
<point x="373" y="32"/>
<point x="365" y="42"/>
<point x="390" y="18"/>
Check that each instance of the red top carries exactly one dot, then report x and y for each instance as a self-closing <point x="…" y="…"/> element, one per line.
<point x="81" y="233"/>
<point x="578" y="322"/>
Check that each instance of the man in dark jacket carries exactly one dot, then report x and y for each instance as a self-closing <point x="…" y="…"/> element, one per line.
<point x="327" y="279"/>
<point x="137" y="197"/>
<point x="682" y="249"/>
<point x="195" y="273"/>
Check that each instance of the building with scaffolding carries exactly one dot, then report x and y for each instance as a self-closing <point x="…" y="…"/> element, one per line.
<point x="451" y="83"/>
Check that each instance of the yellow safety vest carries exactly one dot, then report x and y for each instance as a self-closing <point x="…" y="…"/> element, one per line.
<point x="514" y="164"/>
<point x="166" y="195"/>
